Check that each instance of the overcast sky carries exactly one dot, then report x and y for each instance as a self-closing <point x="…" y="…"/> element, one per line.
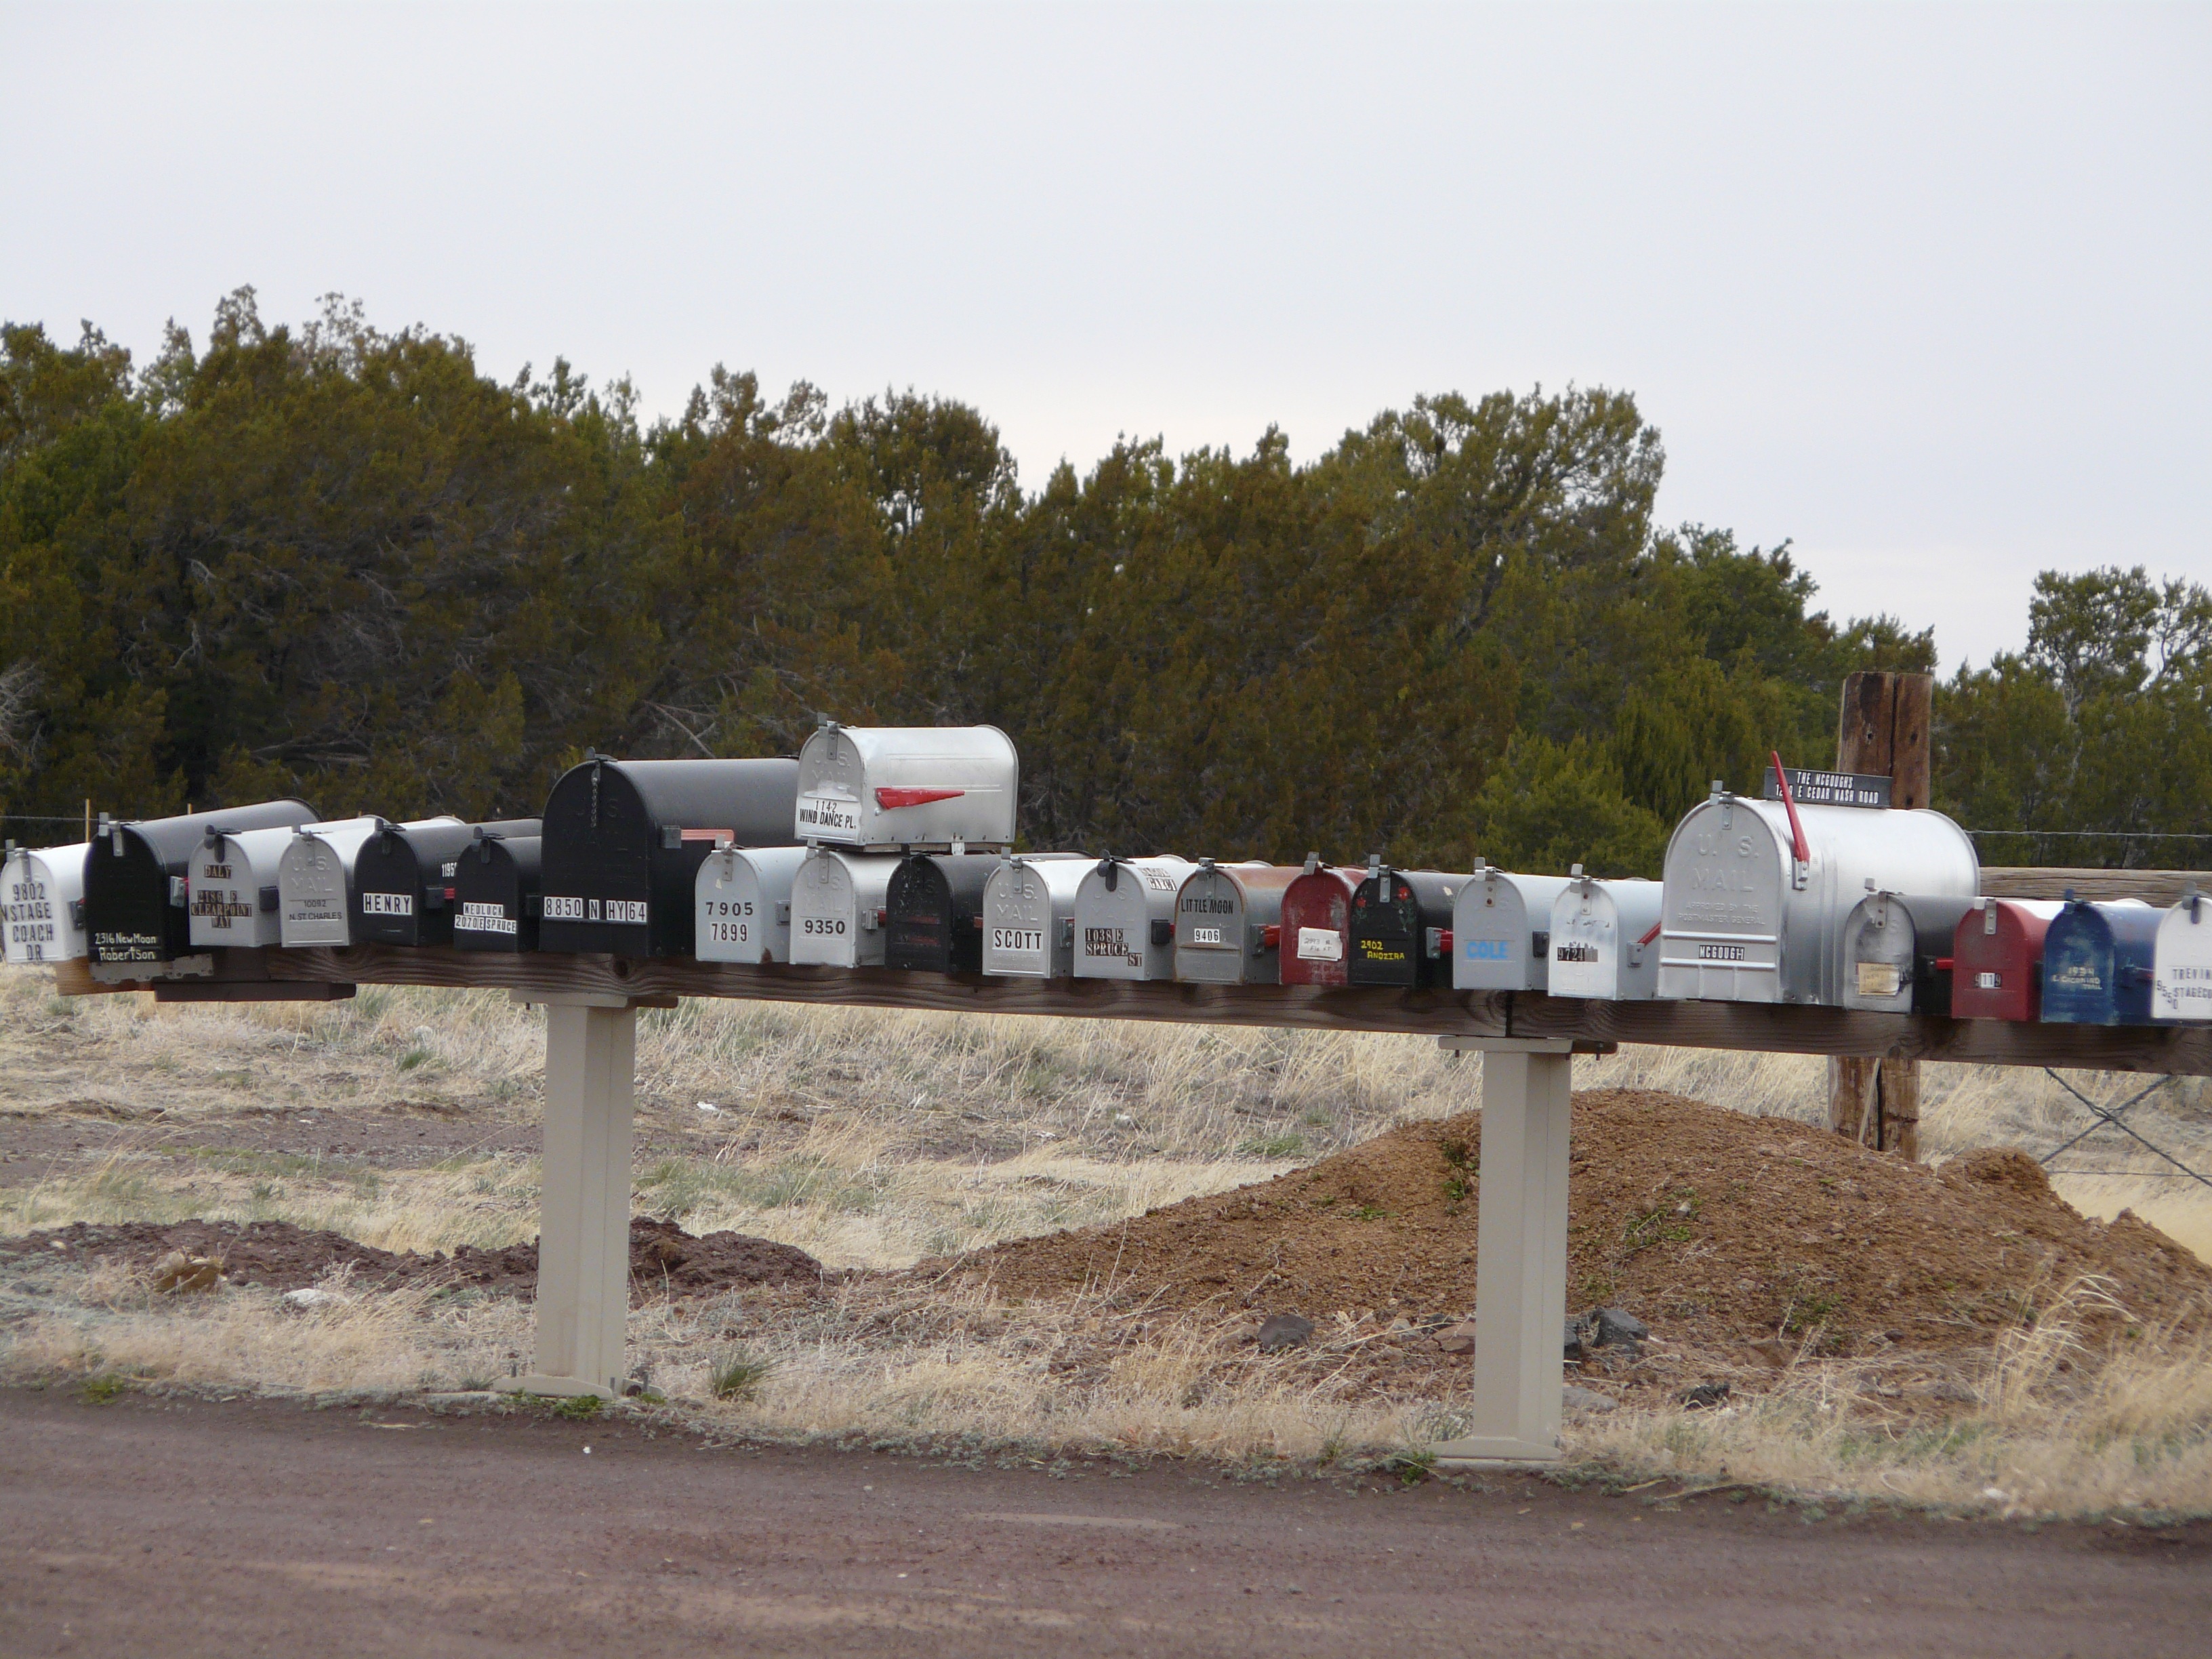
<point x="1924" y="291"/>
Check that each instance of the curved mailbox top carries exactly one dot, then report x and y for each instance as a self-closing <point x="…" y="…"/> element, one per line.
<point x="1502" y="930"/>
<point x="1996" y="970"/>
<point x="1125" y="917"/>
<point x="1897" y="951"/>
<point x="745" y="903"/>
<point x="135" y="876"/>
<point x="1605" y="939"/>
<point x="1316" y="920"/>
<point x="1401" y="923"/>
<point x="908" y="787"/>
<point x="43" y="890"/>
<point x="2097" y="963"/>
<point x="1229" y="923"/>
<point x="1029" y="916"/>
<point x="314" y="879"/>
<point x="495" y="893"/>
<point x="2181" y="966"/>
<point x="837" y="904"/>
<point x="1746" y="920"/>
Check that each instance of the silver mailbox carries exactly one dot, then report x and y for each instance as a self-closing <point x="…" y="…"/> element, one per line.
<point x="838" y="903"/>
<point x="745" y="903"/>
<point x="2181" y="961"/>
<point x="1229" y="923"/>
<point x="913" y="788"/>
<point x="1125" y="918"/>
<point x="44" y="890"/>
<point x="1605" y="939"/>
<point x="1029" y="917"/>
<point x="1502" y="930"/>
<point x="1897" y="952"/>
<point x="1753" y="915"/>
<point x="233" y="891"/>
<point x="314" y="875"/>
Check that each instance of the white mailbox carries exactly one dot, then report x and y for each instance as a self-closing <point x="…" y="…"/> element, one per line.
<point x="235" y="892"/>
<point x="1605" y="939"/>
<point x="44" y="889"/>
<point x="1756" y="903"/>
<point x="313" y="872"/>
<point x="1502" y="930"/>
<point x="1125" y="918"/>
<point x="745" y="903"/>
<point x="837" y="904"/>
<point x="1029" y="917"/>
<point x="911" y="788"/>
<point x="2181" y="961"/>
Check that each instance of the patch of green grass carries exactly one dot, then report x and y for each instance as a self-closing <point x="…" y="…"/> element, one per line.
<point x="1667" y="1222"/>
<point x="1370" y="1213"/>
<point x="579" y="1408"/>
<point x="1273" y="1147"/>
<point x="1412" y="1468"/>
<point x="737" y="1374"/>
<point x="413" y="1058"/>
<point x="102" y="1389"/>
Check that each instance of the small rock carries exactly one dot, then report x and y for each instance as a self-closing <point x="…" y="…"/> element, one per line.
<point x="1614" y="1326"/>
<point x="1575" y="1340"/>
<point x="1457" y="1338"/>
<point x="1285" y="1330"/>
<point x="1775" y="1351"/>
<point x="312" y="1297"/>
<point x="1705" y="1395"/>
<point x="1580" y="1402"/>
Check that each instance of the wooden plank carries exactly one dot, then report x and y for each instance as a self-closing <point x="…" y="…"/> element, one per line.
<point x="2164" y="888"/>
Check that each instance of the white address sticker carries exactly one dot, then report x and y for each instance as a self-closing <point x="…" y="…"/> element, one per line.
<point x="564" y="909"/>
<point x="387" y="904"/>
<point x="478" y="918"/>
<point x="1206" y="936"/>
<point x="828" y="812"/>
<point x="1320" y="944"/>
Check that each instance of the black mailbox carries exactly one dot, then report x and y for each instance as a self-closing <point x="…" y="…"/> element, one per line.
<point x="934" y="907"/>
<point x="135" y="899"/>
<point x="496" y="893"/>
<point x="624" y="841"/>
<point x="1402" y="922"/>
<point x="403" y="879"/>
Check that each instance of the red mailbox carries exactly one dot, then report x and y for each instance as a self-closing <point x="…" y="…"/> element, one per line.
<point x="1317" y="924"/>
<point x="1997" y="959"/>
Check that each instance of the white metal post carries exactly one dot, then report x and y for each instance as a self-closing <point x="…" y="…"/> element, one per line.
<point x="583" y="1225"/>
<point x="1521" y="1253"/>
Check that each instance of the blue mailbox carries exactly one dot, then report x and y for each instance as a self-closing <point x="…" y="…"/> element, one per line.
<point x="2097" y="963"/>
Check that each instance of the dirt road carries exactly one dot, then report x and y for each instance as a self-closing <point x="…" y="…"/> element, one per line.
<point x="146" y="1526"/>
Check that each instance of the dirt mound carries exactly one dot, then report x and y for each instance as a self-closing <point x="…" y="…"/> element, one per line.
<point x="663" y="1259"/>
<point x="1721" y="1229"/>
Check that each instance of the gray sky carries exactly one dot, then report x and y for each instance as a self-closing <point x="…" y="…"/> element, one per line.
<point x="1922" y="289"/>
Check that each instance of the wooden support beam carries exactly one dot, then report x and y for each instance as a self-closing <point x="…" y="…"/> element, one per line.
<point x="2164" y="888"/>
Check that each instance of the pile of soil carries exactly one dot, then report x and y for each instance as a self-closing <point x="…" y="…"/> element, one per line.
<point x="663" y="1259"/>
<point x="1722" y="1230"/>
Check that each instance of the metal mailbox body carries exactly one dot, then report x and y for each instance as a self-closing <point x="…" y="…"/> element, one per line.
<point x="1897" y="952"/>
<point x="1604" y="942"/>
<point x="2098" y="963"/>
<point x="402" y="875"/>
<point x="1229" y="923"/>
<point x="495" y="894"/>
<point x="743" y="903"/>
<point x="1997" y="959"/>
<point x="1401" y="923"/>
<point x="837" y="903"/>
<point x="1029" y="917"/>
<point x="1125" y="918"/>
<point x="1502" y="931"/>
<point x="135" y="876"/>
<point x="314" y="880"/>
<point x="44" y="890"/>
<point x="2181" y="966"/>
<point x="934" y="912"/>
<point x="234" y="892"/>
<point x="908" y="788"/>
<point x="1316" y="920"/>
<point x="1743" y="922"/>
<point x="624" y="841"/>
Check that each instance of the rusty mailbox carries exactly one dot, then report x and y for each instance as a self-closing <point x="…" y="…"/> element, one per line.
<point x="1125" y="918"/>
<point x="1229" y="923"/>
<point x="745" y="903"/>
<point x="496" y="892"/>
<point x="1402" y="926"/>
<point x="1997" y="959"/>
<point x="908" y="788"/>
<point x="403" y="879"/>
<point x="838" y="903"/>
<point x="2099" y="962"/>
<point x="1898" y="953"/>
<point x="44" y="888"/>
<point x="624" y="841"/>
<point x="1029" y="916"/>
<point x="2181" y="965"/>
<point x="135" y="880"/>
<point x="1502" y="930"/>
<point x="1758" y="892"/>
<point x="1605" y="939"/>
<point x="1317" y="922"/>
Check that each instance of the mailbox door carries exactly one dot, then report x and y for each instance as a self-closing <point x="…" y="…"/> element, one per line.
<point x="743" y="903"/>
<point x="1585" y="943"/>
<point x="908" y="787"/>
<point x="1724" y="919"/>
<point x="44" y="892"/>
<point x="1401" y="928"/>
<point x="314" y="880"/>
<point x="494" y="895"/>
<point x="2097" y="965"/>
<point x="135" y="876"/>
<point x="1996" y="970"/>
<point x="388" y="885"/>
<point x="1228" y="923"/>
<point x="935" y="905"/>
<point x="1317" y="926"/>
<point x="1125" y="926"/>
<point x="1029" y="918"/>
<point x="837" y="905"/>
<point x="1881" y="946"/>
<point x="2181" y="967"/>
<point x="1501" y="931"/>
<point x="232" y="894"/>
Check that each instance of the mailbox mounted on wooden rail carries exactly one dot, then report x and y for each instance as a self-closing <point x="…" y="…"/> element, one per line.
<point x="1229" y="923"/>
<point x="1605" y="939"/>
<point x="1029" y="917"/>
<point x="1317" y="924"/>
<point x="44" y="890"/>
<point x="838" y="903"/>
<point x="1125" y="918"/>
<point x="403" y="879"/>
<point x="743" y="903"/>
<point x="314" y="880"/>
<point x="2181" y="967"/>
<point x="136" y="877"/>
<point x="496" y="892"/>
<point x="934" y="910"/>
<point x="2097" y="962"/>
<point x="1502" y="931"/>
<point x="624" y="841"/>
<point x="1898" y="953"/>
<point x="1402" y="926"/>
<point x="233" y="891"/>
<point x="1997" y="959"/>
<point x="908" y="788"/>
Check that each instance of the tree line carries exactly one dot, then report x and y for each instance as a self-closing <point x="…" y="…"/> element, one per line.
<point x="341" y="563"/>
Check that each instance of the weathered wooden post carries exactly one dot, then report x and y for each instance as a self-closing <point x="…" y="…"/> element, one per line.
<point x="1883" y="731"/>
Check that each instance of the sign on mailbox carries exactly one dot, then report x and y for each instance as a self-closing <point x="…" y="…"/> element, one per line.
<point x="745" y="903"/>
<point x="44" y="889"/>
<point x="908" y="788"/>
